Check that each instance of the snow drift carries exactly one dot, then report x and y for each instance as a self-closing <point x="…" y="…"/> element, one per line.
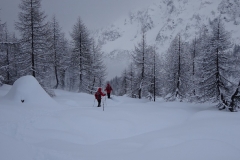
<point x="27" y="90"/>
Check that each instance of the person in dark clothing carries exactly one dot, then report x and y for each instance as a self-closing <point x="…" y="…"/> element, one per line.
<point x="108" y="89"/>
<point x="98" y="96"/>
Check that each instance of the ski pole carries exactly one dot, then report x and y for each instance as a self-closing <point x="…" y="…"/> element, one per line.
<point x="103" y="105"/>
<point x="94" y="102"/>
<point x="106" y="100"/>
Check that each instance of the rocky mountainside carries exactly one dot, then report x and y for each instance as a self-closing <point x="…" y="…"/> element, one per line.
<point x="164" y="20"/>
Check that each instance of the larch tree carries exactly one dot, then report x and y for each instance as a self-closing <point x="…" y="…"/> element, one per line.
<point x="236" y="58"/>
<point x="57" y="49"/>
<point x="2" y="57"/>
<point x="154" y="73"/>
<point x="4" y="54"/>
<point x="8" y="49"/>
<point x="129" y="80"/>
<point x="81" y="44"/>
<point x="97" y="69"/>
<point x="198" y="48"/>
<point x="174" y="69"/>
<point x="232" y="103"/>
<point x="63" y="61"/>
<point x="139" y="60"/>
<point x="13" y="61"/>
<point x="32" y="28"/>
<point x="216" y="64"/>
<point x="124" y="82"/>
<point x="193" y="53"/>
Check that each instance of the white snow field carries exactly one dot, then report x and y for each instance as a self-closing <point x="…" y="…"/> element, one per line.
<point x="69" y="127"/>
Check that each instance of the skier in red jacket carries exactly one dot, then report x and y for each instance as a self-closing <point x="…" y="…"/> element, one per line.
<point x="98" y="96"/>
<point x="108" y="90"/>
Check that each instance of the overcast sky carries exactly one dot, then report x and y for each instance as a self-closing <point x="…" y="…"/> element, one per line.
<point x="94" y="13"/>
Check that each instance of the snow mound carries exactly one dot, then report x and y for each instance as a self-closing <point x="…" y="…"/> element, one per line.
<point x="27" y="90"/>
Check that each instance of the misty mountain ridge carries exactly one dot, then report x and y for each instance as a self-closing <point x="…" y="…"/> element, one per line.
<point x="164" y="20"/>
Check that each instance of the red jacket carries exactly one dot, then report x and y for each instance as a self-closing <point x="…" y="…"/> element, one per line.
<point x="108" y="88"/>
<point x="99" y="94"/>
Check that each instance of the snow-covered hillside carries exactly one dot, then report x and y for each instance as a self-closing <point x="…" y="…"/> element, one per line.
<point x="165" y="20"/>
<point x="73" y="128"/>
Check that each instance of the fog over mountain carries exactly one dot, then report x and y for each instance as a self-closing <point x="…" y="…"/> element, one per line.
<point x="95" y="13"/>
<point x="164" y="20"/>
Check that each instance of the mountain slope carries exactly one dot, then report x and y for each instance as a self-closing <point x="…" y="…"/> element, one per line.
<point x="164" y="20"/>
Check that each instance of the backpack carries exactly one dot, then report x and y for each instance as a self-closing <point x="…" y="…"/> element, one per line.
<point x="109" y="88"/>
<point x="98" y="95"/>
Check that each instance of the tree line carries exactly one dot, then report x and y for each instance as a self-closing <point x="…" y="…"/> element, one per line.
<point x="206" y="69"/>
<point x="43" y="51"/>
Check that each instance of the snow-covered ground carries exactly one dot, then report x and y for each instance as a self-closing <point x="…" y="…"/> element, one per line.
<point x="71" y="127"/>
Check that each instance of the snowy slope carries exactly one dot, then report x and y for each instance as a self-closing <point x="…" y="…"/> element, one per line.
<point x="128" y="129"/>
<point x="165" y="19"/>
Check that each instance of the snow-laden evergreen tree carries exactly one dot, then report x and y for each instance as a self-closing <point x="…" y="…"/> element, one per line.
<point x="198" y="48"/>
<point x="154" y="74"/>
<point x="189" y="69"/>
<point x="81" y="56"/>
<point x="160" y="75"/>
<point x="130" y="79"/>
<point x="64" y="62"/>
<point x="1" y="32"/>
<point x="58" y="50"/>
<point x="124" y="82"/>
<point x="176" y="70"/>
<point x="129" y="82"/>
<point x="232" y="100"/>
<point x="97" y="72"/>
<point x="3" y="59"/>
<point x="140" y="59"/>
<point x="13" y="61"/>
<point x="2" y="26"/>
<point x="8" y="51"/>
<point x="1" y="53"/>
<point x="216" y="65"/>
<point x="8" y="58"/>
<point x="32" y="28"/>
<point x="193" y="53"/>
<point x="236" y="58"/>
